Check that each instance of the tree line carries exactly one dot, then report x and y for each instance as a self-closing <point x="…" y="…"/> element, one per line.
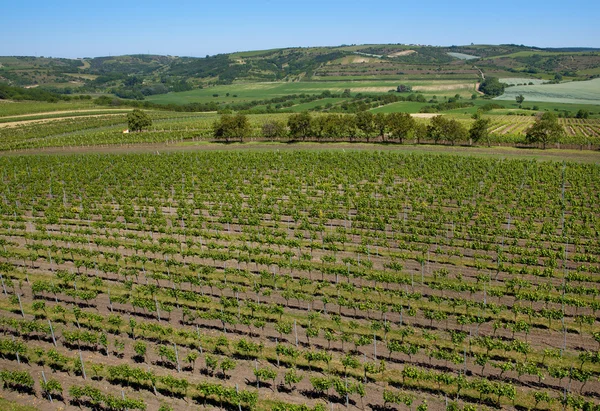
<point x="391" y="127"/>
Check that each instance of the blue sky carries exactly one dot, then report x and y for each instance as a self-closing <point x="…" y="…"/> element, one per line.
<point x="197" y="28"/>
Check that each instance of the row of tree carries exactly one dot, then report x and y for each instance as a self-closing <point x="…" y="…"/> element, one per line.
<point x="388" y="127"/>
<point x="393" y="127"/>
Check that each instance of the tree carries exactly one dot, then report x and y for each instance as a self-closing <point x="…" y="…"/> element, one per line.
<point x="365" y="123"/>
<point x="491" y="86"/>
<point x="420" y="132"/>
<point x="381" y="123"/>
<point x="520" y="99"/>
<point x="273" y="129"/>
<point x="479" y="130"/>
<point x="401" y="125"/>
<point x="300" y="125"/>
<point x="241" y="126"/>
<point x="228" y="126"/>
<point x="451" y="130"/>
<point x="582" y="113"/>
<point x="545" y="130"/>
<point x="137" y="120"/>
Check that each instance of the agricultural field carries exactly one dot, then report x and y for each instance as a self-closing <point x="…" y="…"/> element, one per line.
<point x="514" y="81"/>
<point x="575" y="92"/>
<point x="260" y="91"/>
<point x="462" y="56"/>
<point x="87" y="128"/>
<point x="299" y="280"/>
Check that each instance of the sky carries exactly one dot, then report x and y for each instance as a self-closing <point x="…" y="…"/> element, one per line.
<point x="198" y="28"/>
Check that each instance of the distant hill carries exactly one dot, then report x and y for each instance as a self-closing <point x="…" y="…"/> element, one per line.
<point x="137" y="76"/>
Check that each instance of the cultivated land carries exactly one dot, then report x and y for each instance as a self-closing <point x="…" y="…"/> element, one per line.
<point x="330" y="270"/>
<point x="576" y="92"/>
<point x="403" y="277"/>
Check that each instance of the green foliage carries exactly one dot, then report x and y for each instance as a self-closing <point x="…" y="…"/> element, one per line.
<point x="520" y="99"/>
<point x="17" y="380"/>
<point x="292" y="377"/>
<point x="98" y="398"/>
<point x="443" y="128"/>
<point x="400" y="125"/>
<point x="228" y="127"/>
<point x="140" y="348"/>
<point x="545" y="130"/>
<point x="52" y="387"/>
<point x="479" y="130"/>
<point x="491" y="86"/>
<point x="300" y="125"/>
<point x="138" y="120"/>
<point x="274" y="129"/>
<point x="227" y="365"/>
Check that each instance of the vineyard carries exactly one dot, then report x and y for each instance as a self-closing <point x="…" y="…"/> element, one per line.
<point x="171" y="127"/>
<point x="299" y="281"/>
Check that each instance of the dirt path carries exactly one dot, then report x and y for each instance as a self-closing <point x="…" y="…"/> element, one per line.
<point x="480" y="71"/>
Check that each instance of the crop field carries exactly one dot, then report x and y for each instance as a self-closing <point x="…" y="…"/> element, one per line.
<point x="299" y="281"/>
<point x="576" y="92"/>
<point x="259" y="91"/>
<point x="513" y="81"/>
<point x="105" y="127"/>
<point x="462" y="56"/>
<point x="15" y="109"/>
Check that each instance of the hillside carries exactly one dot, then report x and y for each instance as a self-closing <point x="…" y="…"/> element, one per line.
<point x="294" y="64"/>
<point x="347" y="78"/>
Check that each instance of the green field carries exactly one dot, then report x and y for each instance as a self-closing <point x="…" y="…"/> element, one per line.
<point x="575" y="92"/>
<point x="29" y="107"/>
<point x="261" y="91"/>
<point x="401" y="106"/>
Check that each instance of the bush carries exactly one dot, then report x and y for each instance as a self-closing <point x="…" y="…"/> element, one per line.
<point x="138" y="120"/>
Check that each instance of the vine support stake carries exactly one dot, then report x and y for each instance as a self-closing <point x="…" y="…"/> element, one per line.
<point x="237" y="391"/>
<point x="375" y="347"/>
<point x="177" y="357"/>
<point x="21" y="305"/>
<point x="17" y="352"/>
<point x="82" y="366"/>
<point x="52" y="332"/>
<point x="46" y="382"/>
<point x="296" y="333"/>
<point x="157" y="309"/>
